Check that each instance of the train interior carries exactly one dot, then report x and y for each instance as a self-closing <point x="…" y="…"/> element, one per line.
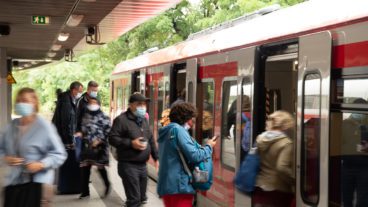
<point x="178" y="78"/>
<point x="280" y="81"/>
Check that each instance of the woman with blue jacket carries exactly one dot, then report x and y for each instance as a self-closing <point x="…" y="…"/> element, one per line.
<point x="32" y="148"/>
<point x="173" y="182"/>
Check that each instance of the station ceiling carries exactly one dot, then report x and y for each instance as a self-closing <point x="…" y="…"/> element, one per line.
<point x="32" y="44"/>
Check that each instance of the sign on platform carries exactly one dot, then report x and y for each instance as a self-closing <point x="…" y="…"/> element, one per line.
<point x="40" y="20"/>
<point x="11" y="79"/>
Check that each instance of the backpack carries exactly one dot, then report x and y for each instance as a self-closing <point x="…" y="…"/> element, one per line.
<point x="200" y="174"/>
<point x="246" y="177"/>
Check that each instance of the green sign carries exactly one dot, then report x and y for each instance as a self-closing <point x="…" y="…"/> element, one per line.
<point x="40" y="20"/>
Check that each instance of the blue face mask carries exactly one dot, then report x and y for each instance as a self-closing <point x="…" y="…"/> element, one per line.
<point x="93" y="94"/>
<point x="24" y="109"/>
<point x="141" y="112"/>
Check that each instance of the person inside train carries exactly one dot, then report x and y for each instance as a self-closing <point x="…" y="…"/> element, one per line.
<point x="165" y="119"/>
<point x="173" y="182"/>
<point x="180" y="97"/>
<point x="94" y="152"/>
<point x="33" y="149"/>
<point x="355" y="159"/>
<point x="275" y="180"/>
<point x="207" y="118"/>
<point x="245" y="126"/>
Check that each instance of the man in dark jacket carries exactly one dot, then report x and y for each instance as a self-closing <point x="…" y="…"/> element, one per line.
<point x="92" y="90"/>
<point x="65" y="120"/>
<point x="133" y="139"/>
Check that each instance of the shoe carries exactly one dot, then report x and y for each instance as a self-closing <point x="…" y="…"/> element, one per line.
<point x="107" y="191"/>
<point x="84" y="195"/>
<point x="144" y="202"/>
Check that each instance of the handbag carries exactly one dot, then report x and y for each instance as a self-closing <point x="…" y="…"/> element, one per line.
<point x="77" y="147"/>
<point x="246" y="177"/>
<point x="201" y="176"/>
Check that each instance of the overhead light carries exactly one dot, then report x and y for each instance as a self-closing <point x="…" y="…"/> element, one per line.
<point x="56" y="47"/>
<point x="48" y="60"/>
<point x="74" y="20"/>
<point x="63" y="37"/>
<point x="51" y="54"/>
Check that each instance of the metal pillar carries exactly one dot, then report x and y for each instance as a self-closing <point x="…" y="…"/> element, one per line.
<point x="5" y="91"/>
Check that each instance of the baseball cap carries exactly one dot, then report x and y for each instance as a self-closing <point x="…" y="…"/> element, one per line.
<point x="137" y="97"/>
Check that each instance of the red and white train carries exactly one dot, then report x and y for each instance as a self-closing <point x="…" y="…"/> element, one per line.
<point x="310" y="59"/>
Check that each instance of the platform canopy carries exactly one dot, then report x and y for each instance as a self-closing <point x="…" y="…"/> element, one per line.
<point x="35" y="26"/>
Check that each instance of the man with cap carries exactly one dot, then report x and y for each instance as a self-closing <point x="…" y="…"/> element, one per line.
<point x="133" y="140"/>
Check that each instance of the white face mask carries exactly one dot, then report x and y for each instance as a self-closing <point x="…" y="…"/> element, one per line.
<point x="186" y="126"/>
<point x="93" y="107"/>
<point x="78" y="95"/>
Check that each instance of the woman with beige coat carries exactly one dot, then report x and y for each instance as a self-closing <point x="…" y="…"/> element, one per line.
<point x="275" y="181"/>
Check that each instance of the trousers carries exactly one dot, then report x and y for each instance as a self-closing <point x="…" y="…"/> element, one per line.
<point x="134" y="176"/>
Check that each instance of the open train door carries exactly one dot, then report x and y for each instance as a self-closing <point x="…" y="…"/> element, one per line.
<point x="313" y="119"/>
<point x="191" y="80"/>
<point x="245" y="58"/>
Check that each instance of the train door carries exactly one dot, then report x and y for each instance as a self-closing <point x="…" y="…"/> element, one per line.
<point x="155" y="92"/>
<point x="191" y="80"/>
<point x="245" y="58"/>
<point x="313" y="122"/>
<point x="217" y="98"/>
<point x="178" y="77"/>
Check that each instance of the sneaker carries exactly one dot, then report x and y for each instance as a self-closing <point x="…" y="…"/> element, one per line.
<point x="84" y="195"/>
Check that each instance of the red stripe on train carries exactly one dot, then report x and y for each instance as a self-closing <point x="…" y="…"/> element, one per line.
<point x="350" y="55"/>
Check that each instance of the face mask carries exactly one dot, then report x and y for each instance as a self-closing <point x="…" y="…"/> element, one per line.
<point x="93" y="107"/>
<point x="186" y="126"/>
<point x="93" y="94"/>
<point x="78" y="95"/>
<point x="358" y="117"/>
<point x="24" y="109"/>
<point x="141" y="112"/>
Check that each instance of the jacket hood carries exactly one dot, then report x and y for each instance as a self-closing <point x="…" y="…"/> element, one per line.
<point x="164" y="132"/>
<point x="268" y="138"/>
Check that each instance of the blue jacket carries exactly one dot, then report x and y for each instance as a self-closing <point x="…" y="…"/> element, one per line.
<point x="172" y="178"/>
<point x="40" y="143"/>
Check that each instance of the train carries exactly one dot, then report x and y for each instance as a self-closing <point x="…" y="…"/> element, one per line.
<point x="310" y="59"/>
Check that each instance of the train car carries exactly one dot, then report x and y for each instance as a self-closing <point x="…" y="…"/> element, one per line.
<point x="310" y="59"/>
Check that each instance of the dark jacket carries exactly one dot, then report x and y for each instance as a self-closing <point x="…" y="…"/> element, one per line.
<point x="81" y="110"/>
<point x="95" y="125"/>
<point x="126" y="128"/>
<point x="65" y="117"/>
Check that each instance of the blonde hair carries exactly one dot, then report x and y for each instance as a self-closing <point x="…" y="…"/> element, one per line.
<point x="280" y="120"/>
<point x="33" y="94"/>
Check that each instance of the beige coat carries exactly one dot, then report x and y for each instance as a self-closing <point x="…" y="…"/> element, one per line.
<point x="276" y="167"/>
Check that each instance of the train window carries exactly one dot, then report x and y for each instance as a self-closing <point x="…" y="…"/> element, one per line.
<point x="151" y="108"/>
<point x="190" y="92"/>
<point x="350" y="91"/>
<point x="208" y="110"/>
<point x="167" y="95"/>
<point x="160" y="101"/>
<point x="246" y="119"/>
<point x="119" y="100"/>
<point x="311" y="138"/>
<point x="229" y="94"/>
<point x="348" y="159"/>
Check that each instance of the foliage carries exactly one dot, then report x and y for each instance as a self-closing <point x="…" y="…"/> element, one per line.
<point x="171" y="27"/>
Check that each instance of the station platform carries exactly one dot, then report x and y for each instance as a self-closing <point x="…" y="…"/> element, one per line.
<point x="97" y="188"/>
